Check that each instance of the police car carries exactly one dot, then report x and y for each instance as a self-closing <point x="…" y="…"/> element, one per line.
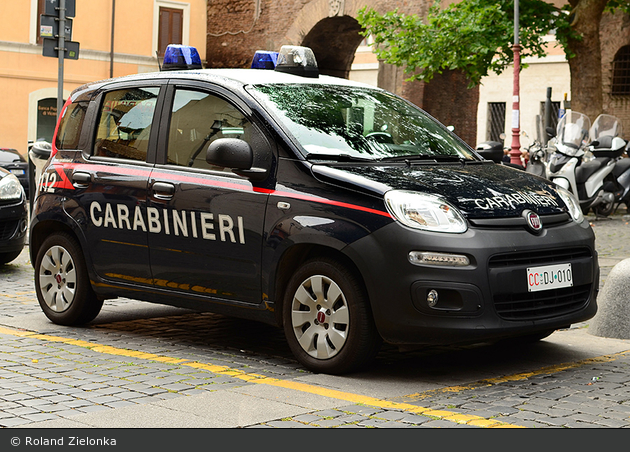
<point x="336" y="210"/>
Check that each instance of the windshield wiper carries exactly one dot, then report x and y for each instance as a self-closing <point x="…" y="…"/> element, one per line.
<point x="337" y="157"/>
<point x="435" y="158"/>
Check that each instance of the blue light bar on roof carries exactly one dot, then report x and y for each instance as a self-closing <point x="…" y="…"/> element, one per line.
<point x="179" y="57"/>
<point x="265" y="59"/>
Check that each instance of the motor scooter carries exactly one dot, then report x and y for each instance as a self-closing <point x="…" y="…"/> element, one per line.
<point x="567" y="169"/>
<point x="607" y="145"/>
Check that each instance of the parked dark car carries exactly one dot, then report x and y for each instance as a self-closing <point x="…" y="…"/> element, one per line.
<point x="13" y="217"/>
<point x="12" y="161"/>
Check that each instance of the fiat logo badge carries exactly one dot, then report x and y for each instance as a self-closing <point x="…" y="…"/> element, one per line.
<point x="533" y="220"/>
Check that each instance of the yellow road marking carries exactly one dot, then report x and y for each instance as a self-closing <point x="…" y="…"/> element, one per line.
<point x="332" y="393"/>
<point x="548" y="370"/>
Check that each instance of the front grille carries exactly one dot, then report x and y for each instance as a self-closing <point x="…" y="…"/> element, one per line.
<point x="548" y="221"/>
<point x="539" y="257"/>
<point x="542" y="305"/>
<point x="7" y="229"/>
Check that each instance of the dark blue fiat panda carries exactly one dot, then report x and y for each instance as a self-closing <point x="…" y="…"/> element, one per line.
<point x="335" y="210"/>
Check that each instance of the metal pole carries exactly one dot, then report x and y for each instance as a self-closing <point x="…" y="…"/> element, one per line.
<point x="515" y="153"/>
<point x="111" y="54"/>
<point x="60" y="54"/>
<point x="545" y="137"/>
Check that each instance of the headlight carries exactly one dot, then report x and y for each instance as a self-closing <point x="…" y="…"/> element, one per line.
<point x="572" y="204"/>
<point x="10" y="188"/>
<point x="423" y="211"/>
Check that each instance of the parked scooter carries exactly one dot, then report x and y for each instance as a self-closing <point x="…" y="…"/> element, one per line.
<point x="537" y="163"/>
<point x="607" y="145"/>
<point x="497" y="152"/>
<point x="585" y="179"/>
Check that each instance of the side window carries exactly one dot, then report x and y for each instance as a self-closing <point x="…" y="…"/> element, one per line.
<point x="70" y="126"/>
<point x="124" y="123"/>
<point x="197" y="119"/>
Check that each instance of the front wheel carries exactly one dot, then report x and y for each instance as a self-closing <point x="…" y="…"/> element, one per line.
<point x="327" y="318"/>
<point x="62" y="282"/>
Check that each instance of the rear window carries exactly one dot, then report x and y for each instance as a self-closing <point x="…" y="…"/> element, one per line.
<point x="70" y="126"/>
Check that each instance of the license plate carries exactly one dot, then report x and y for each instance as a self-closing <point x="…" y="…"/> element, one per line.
<point x="17" y="172"/>
<point x="549" y="277"/>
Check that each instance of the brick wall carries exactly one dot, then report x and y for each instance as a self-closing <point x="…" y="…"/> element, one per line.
<point x="615" y="33"/>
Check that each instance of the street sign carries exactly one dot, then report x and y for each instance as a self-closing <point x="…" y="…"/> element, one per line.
<point x="51" y="49"/>
<point x="51" y="8"/>
<point x="49" y="27"/>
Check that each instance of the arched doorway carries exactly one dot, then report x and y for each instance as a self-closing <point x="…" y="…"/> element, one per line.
<point x="334" y="41"/>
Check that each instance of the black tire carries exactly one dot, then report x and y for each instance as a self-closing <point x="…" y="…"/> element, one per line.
<point x="604" y="209"/>
<point x="62" y="283"/>
<point x="327" y="318"/>
<point x="5" y="258"/>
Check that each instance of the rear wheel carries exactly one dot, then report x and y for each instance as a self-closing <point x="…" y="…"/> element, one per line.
<point x="62" y="282"/>
<point x="327" y="318"/>
<point x="604" y="209"/>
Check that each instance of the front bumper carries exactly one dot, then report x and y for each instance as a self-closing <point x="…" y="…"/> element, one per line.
<point x="13" y="226"/>
<point x="486" y="300"/>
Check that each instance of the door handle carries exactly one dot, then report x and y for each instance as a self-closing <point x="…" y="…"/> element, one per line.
<point x="81" y="179"/>
<point x="163" y="190"/>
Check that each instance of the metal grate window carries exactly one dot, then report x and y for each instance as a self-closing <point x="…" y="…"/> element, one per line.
<point x="496" y="121"/>
<point x="621" y="72"/>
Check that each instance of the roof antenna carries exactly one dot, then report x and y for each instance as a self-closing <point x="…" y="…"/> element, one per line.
<point x="157" y="54"/>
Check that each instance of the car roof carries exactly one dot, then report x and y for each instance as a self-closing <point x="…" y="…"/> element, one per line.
<point x="229" y="77"/>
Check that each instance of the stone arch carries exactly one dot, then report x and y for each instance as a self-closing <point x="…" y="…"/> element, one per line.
<point x="334" y="40"/>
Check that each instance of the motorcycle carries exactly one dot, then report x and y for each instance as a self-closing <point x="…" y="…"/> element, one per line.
<point x="584" y="177"/>
<point x="607" y="145"/>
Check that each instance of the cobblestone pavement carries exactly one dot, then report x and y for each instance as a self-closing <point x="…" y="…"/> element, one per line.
<point x="58" y="373"/>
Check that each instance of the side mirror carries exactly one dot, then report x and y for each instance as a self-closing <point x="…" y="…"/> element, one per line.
<point x="235" y="154"/>
<point x="230" y="153"/>
<point x="551" y="132"/>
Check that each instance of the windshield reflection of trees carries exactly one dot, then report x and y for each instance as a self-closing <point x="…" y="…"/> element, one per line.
<point x="364" y="123"/>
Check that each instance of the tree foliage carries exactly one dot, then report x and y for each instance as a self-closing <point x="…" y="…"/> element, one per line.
<point x="475" y="36"/>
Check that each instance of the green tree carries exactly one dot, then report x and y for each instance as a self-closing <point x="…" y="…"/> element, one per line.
<point x="476" y="37"/>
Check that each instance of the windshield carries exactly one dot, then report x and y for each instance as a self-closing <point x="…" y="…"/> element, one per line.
<point x="362" y="123"/>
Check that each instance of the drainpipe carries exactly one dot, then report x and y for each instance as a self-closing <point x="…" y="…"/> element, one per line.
<point x="111" y="53"/>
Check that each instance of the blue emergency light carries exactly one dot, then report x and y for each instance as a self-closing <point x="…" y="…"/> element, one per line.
<point x="179" y="57"/>
<point x="265" y="59"/>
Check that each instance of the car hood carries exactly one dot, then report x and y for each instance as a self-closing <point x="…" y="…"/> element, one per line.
<point x="478" y="190"/>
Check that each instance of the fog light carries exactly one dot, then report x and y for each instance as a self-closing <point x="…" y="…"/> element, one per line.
<point x="432" y="298"/>
<point x="443" y="259"/>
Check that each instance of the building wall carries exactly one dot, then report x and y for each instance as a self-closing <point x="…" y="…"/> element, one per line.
<point x="26" y="76"/>
<point x="553" y="71"/>
<point x="616" y="35"/>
